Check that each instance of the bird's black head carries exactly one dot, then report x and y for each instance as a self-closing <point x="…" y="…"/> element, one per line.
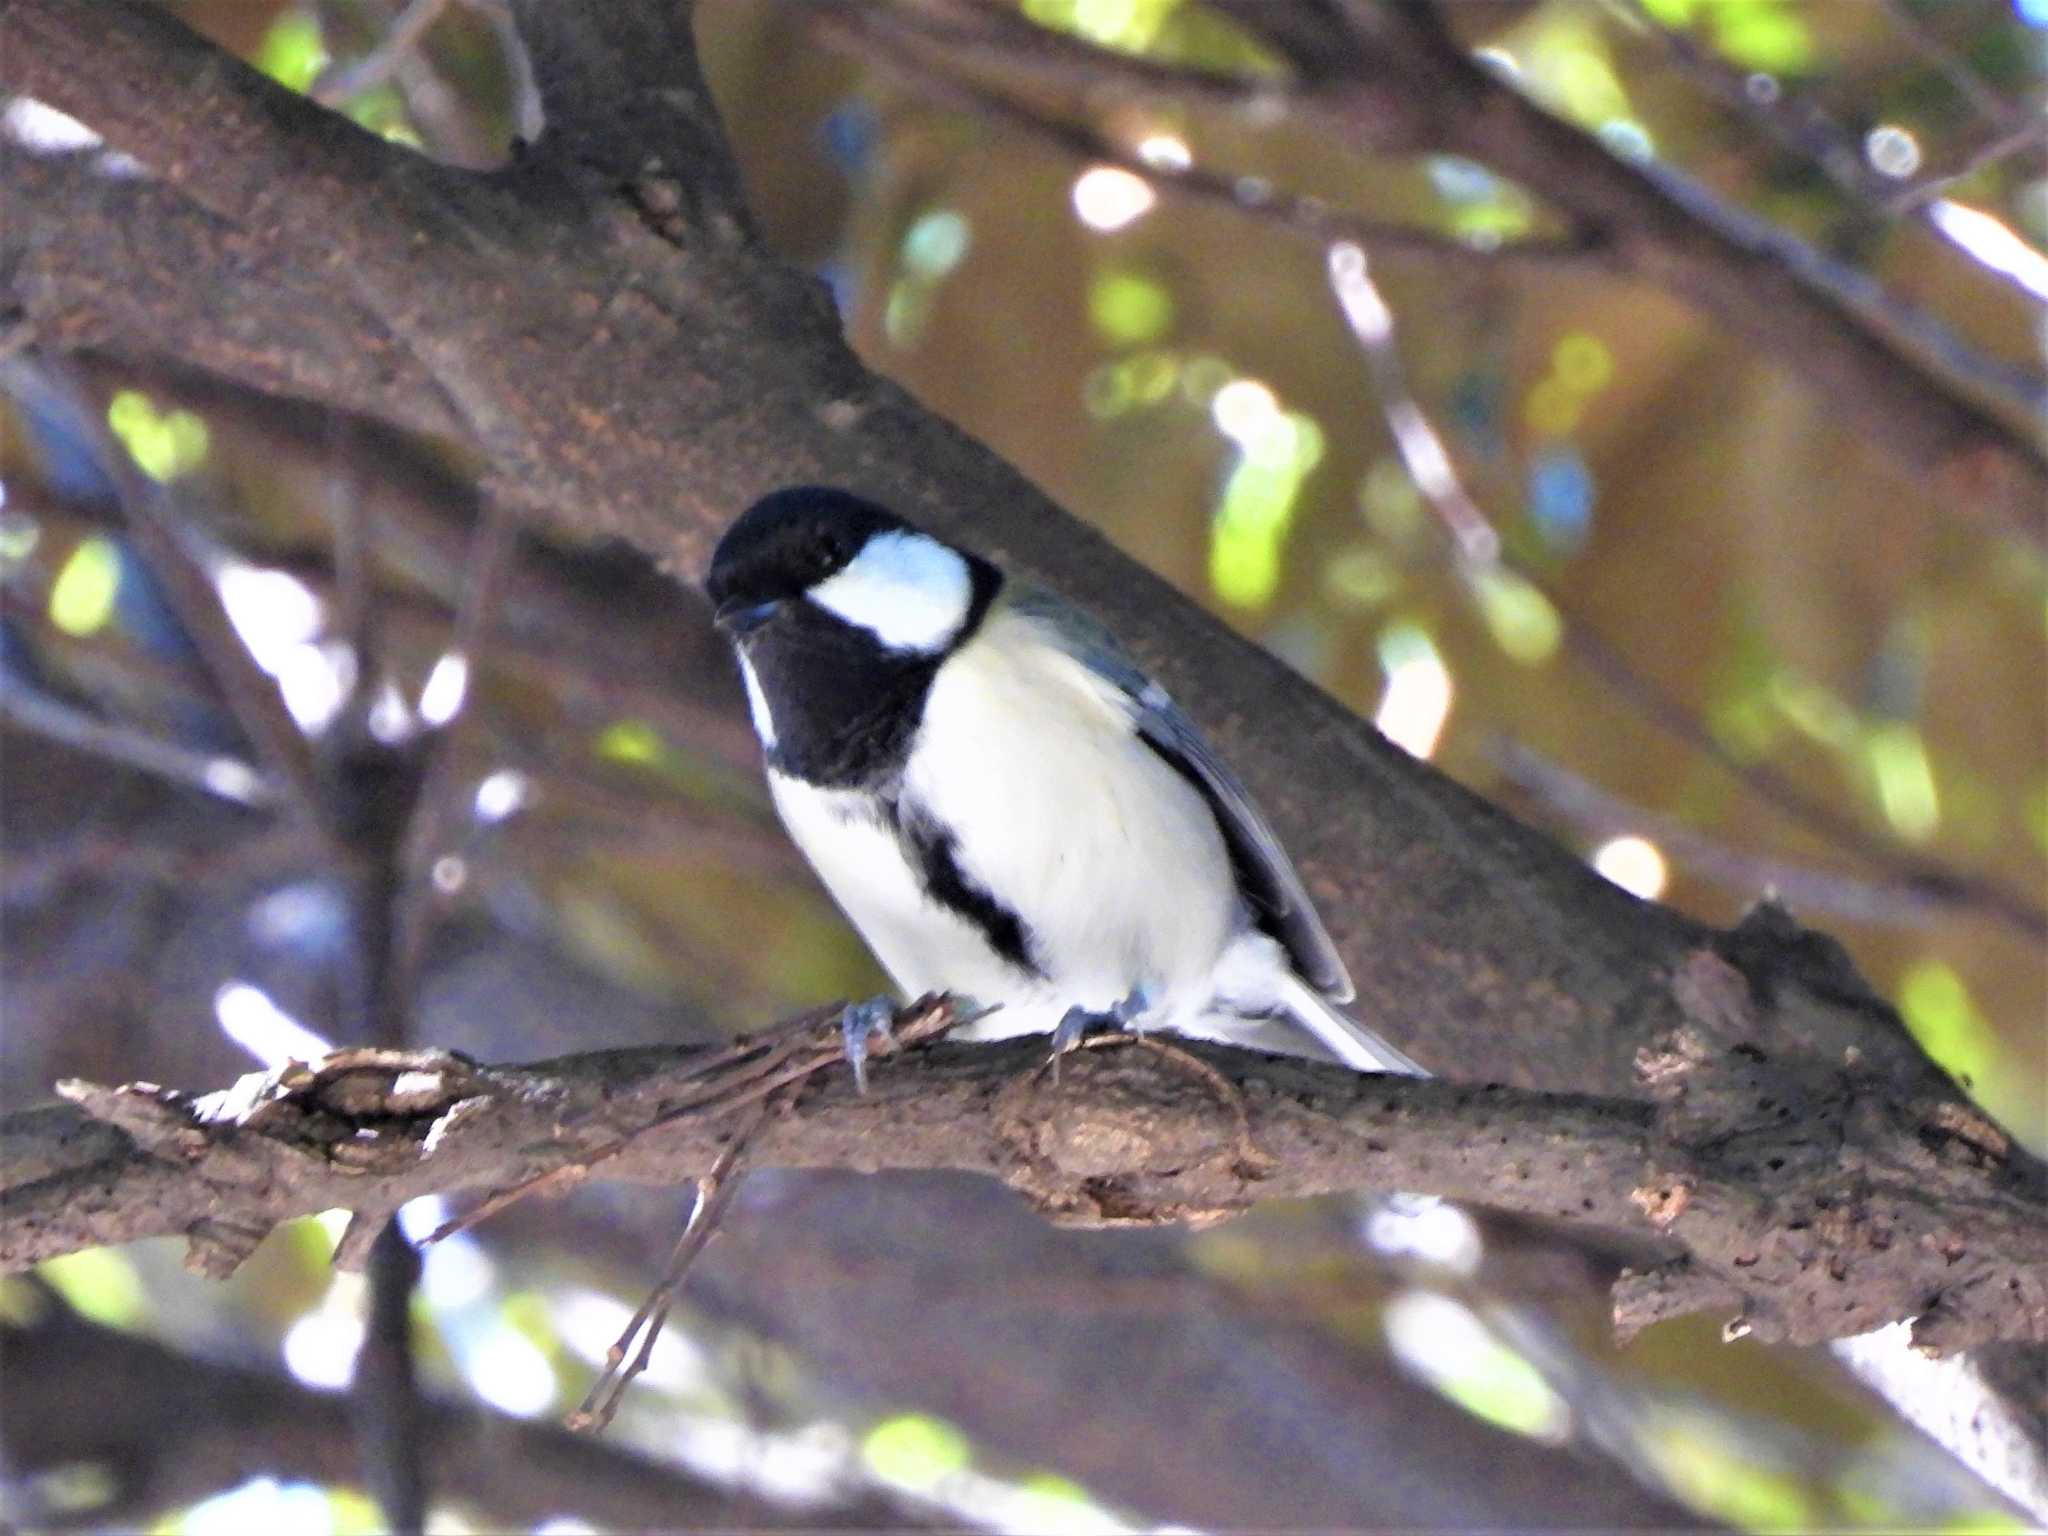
<point x="841" y="612"/>
<point x="787" y="542"/>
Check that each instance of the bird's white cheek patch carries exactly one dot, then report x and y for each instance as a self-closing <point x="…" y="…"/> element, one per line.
<point x="757" y="704"/>
<point x="911" y="592"/>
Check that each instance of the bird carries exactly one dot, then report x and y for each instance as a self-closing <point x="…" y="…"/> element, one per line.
<point x="1004" y="805"/>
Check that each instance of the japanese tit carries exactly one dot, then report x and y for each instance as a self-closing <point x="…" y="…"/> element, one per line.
<point x="1002" y="803"/>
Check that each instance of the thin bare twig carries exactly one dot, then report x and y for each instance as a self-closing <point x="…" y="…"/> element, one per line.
<point x="225" y="778"/>
<point x="1480" y="554"/>
<point x="1795" y="122"/>
<point x="384" y="1394"/>
<point x="434" y="802"/>
<point x="911" y="55"/>
<point x="156" y="525"/>
<point x="2000" y="146"/>
<point x="715" y="1189"/>
<point x="341" y="81"/>
<point x="1808" y="890"/>
<point x="1986" y="103"/>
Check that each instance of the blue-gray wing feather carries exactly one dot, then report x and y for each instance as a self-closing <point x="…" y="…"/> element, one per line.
<point x="1266" y="876"/>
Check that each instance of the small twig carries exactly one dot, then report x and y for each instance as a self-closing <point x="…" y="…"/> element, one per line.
<point x="993" y="35"/>
<point x="384" y="1396"/>
<point x="1809" y="891"/>
<point x="1796" y="123"/>
<point x="1986" y="103"/>
<point x="2026" y="134"/>
<point x="744" y="1072"/>
<point x="340" y="82"/>
<point x="226" y="778"/>
<point x="17" y="337"/>
<point x="714" y="1195"/>
<point x="491" y="552"/>
<point x="916" y="59"/>
<point x="155" y="524"/>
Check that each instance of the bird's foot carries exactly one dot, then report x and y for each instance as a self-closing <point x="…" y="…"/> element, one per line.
<point x="1077" y="1023"/>
<point x="859" y="1023"/>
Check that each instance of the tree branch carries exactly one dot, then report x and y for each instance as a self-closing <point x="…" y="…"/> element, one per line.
<point x="1388" y="77"/>
<point x="1810" y="1200"/>
<point x="911" y="53"/>
<point x="1741" y="273"/>
<point x="622" y="382"/>
<point x="540" y="325"/>
<point x="181" y="1428"/>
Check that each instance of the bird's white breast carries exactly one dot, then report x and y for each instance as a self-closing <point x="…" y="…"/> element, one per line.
<point x="1111" y="860"/>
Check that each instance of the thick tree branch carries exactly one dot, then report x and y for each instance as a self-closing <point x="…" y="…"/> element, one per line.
<point x="1807" y="1200"/>
<point x="132" y="259"/>
<point x="619" y="383"/>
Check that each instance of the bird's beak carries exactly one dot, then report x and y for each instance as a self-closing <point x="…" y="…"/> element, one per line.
<point x="740" y="619"/>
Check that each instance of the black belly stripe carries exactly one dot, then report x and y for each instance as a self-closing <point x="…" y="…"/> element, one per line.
<point x="931" y="849"/>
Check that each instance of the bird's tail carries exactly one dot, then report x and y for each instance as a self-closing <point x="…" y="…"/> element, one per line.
<point x="1343" y="1036"/>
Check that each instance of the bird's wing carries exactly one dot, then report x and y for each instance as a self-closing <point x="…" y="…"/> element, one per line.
<point x="1265" y="875"/>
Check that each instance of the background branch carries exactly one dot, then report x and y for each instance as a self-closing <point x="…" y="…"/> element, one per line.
<point x="183" y="1427"/>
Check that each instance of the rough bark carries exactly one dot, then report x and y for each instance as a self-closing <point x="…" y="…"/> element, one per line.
<point x="1808" y="1201"/>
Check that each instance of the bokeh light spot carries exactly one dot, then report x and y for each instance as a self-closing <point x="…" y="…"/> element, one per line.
<point x="631" y="741"/>
<point x="1937" y="1006"/>
<point x="1561" y="498"/>
<point x="1521" y="619"/>
<point x="1391" y="501"/>
<point x="99" y="1283"/>
<point x="1361" y="577"/>
<point x="1583" y="362"/>
<point x="1417" y="700"/>
<point x="1892" y="151"/>
<point x="41" y="129"/>
<point x="1905" y="780"/>
<point x="1448" y="1345"/>
<point x="915" y="1450"/>
<point x="1165" y="151"/>
<point x="1128" y="308"/>
<point x="1762" y="34"/>
<point x="82" y="596"/>
<point x="1635" y="864"/>
<point x="164" y="445"/>
<point x="1990" y="241"/>
<point x="936" y="243"/>
<point x="320" y="1348"/>
<point x="1108" y="198"/>
<point x="1277" y="450"/>
<point x="292" y="52"/>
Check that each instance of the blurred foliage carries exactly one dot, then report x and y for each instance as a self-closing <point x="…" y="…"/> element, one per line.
<point x="1176" y="373"/>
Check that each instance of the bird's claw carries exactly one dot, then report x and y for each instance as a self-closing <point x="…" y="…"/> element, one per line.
<point x="1073" y="1025"/>
<point x="1076" y="1022"/>
<point x="857" y="1025"/>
